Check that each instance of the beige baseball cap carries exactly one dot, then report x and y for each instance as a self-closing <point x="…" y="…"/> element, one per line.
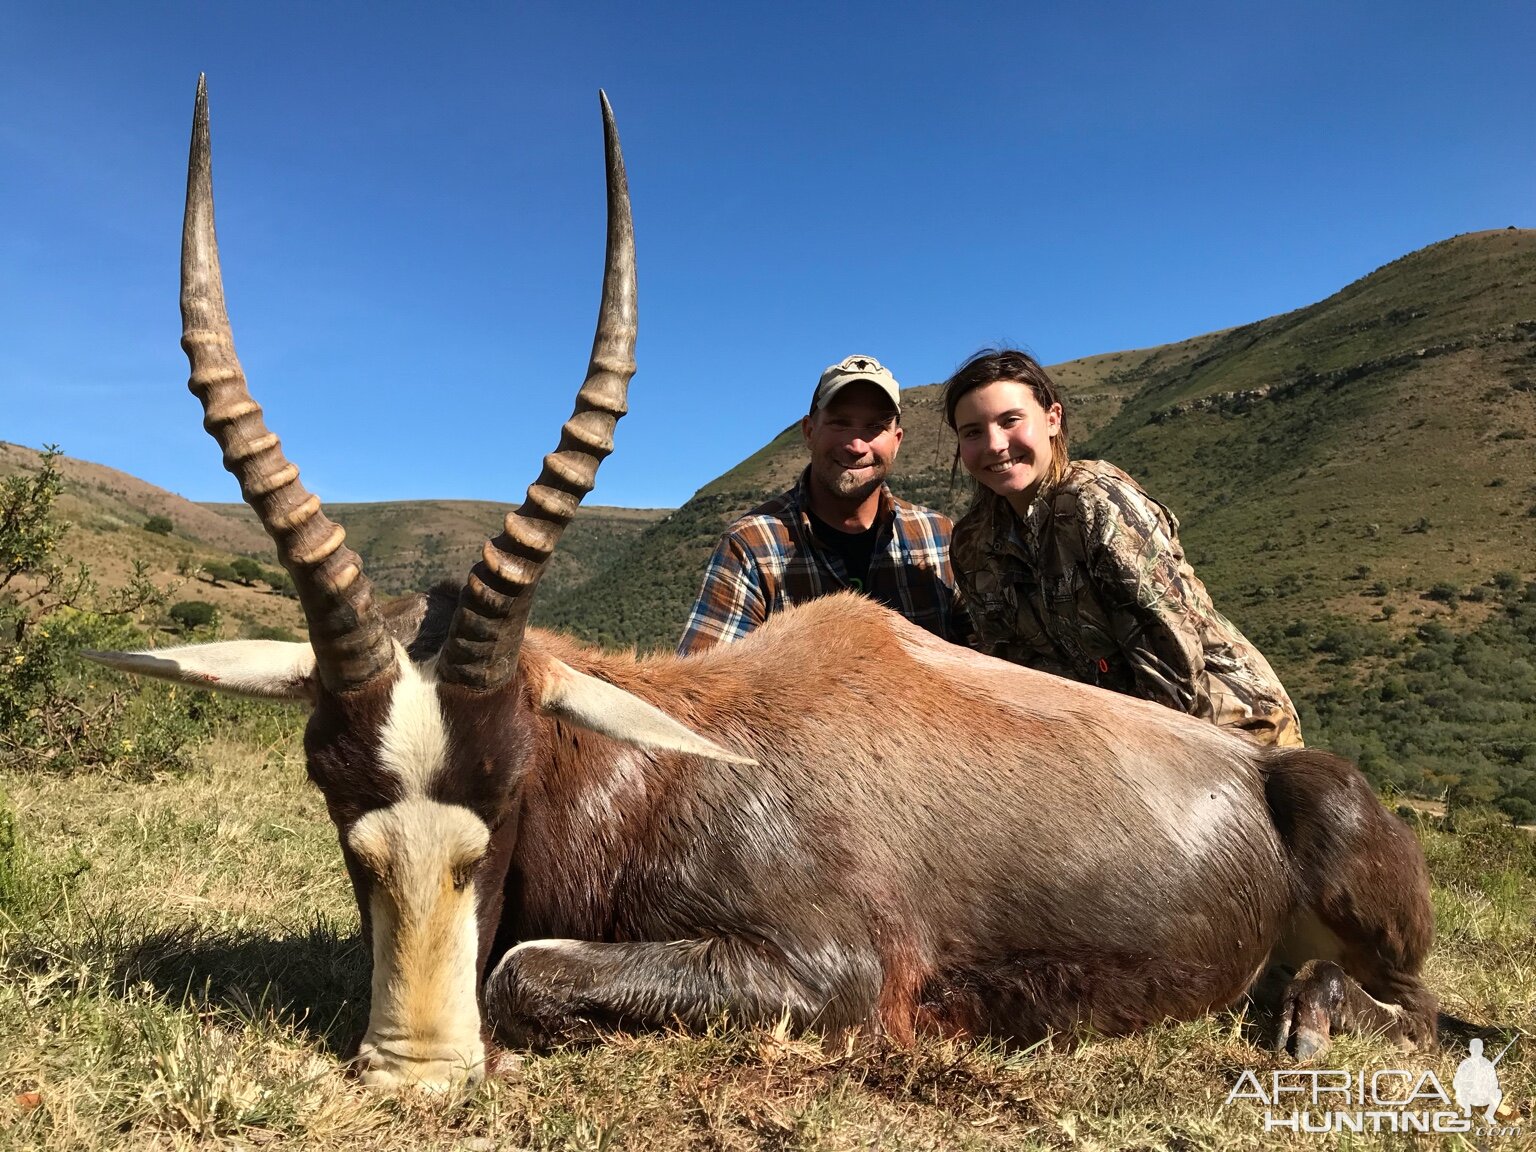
<point x="854" y="368"/>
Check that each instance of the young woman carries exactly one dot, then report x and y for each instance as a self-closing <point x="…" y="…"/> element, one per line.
<point x="1069" y="567"/>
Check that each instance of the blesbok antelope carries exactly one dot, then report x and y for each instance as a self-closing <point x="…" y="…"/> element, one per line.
<point x="840" y="818"/>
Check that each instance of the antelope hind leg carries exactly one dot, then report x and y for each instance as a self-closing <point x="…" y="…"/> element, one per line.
<point x="1365" y="920"/>
<point x="548" y="990"/>
<point x="1322" y="999"/>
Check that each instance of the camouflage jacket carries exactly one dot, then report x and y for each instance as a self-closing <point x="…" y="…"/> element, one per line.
<point x="1092" y="584"/>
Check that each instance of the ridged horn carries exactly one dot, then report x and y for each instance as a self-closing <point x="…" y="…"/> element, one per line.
<point x="487" y="630"/>
<point x="345" y="628"/>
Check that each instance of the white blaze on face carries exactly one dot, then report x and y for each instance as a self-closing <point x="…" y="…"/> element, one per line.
<point x="423" y="1019"/>
<point x="414" y="742"/>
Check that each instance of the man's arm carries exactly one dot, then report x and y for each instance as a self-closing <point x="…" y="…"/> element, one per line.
<point x="931" y="534"/>
<point x="958" y="626"/>
<point x="731" y="601"/>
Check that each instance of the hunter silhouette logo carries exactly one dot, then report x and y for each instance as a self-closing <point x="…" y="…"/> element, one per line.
<point x="1476" y="1083"/>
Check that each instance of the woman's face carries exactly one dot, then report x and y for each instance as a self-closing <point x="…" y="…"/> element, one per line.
<point x="1005" y="439"/>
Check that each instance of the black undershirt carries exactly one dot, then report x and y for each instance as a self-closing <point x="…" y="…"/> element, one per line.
<point x="855" y="549"/>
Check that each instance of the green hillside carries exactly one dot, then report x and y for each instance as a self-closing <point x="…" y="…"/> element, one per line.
<point x="408" y="545"/>
<point x="1359" y="453"/>
<point x="1356" y="481"/>
<point x="110" y="516"/>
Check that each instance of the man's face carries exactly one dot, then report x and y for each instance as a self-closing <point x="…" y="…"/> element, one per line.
<point x="853" y="441"/>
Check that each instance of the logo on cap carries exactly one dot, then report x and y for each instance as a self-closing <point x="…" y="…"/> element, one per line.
<point x="850" y="370"/>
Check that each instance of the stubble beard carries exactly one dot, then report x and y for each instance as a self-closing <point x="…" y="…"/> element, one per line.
<point x="846" y="485"/>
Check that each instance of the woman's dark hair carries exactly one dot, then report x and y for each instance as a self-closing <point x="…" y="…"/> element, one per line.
<point x="991" y="365"/>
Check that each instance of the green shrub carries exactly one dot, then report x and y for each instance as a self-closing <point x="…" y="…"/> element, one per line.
<point x="280" y="582"/>
<point x="220" y="571"/>
<point x="247" y="571"/>
<point x="159" y="525"/>
<point x="191" y="615"/>
<point x="29" y="532"/>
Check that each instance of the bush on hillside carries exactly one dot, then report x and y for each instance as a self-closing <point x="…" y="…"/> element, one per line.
<point x="50" y="715"/>
<point x="159" y="525"/>
<point x="191" y="615"/>
<point x="280" y="582"/>
<point x="59" y="713"/>
<point x="247" y="571"/>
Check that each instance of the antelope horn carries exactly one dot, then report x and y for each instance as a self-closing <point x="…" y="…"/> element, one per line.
<point x="487" y="630"/>
<point x="345" y="628"/>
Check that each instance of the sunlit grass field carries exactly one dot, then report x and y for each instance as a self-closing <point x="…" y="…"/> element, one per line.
<point x="179" y="968"/>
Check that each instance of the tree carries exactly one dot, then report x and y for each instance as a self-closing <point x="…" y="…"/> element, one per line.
<point x="247" y="571"/>
<point x="29" y="531"/>
<point x="220" y="571"/>
<point x="191" y="615"/>
<point x="50" y="715"/>
<point x="280" y="582"/>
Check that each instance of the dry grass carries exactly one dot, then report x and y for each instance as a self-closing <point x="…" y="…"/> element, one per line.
<point x="178" y="968"/>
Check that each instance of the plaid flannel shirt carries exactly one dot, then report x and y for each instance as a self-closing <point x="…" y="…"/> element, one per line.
<point x="771" y="559"/>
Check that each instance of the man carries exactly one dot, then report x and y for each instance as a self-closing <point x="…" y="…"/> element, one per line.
<point x="838" y="527"/>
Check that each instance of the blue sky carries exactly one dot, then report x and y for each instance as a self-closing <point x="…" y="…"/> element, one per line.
<point x="410" y="207"/>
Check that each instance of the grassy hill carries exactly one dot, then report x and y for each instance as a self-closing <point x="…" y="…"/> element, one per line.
<point x="408" y="545"/>
<point x="107" y="511"/>
<point x="1391" y="426"/>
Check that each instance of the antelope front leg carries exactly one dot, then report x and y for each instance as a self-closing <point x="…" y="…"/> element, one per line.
<point x="546" y="990"/>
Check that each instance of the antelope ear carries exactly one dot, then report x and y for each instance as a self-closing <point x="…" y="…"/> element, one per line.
<point x="598" y="706"/>
<point x="272" y="669"/>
